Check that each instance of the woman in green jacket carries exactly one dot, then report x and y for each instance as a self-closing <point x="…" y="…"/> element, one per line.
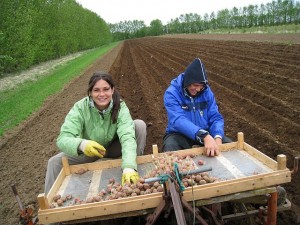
<point x="99" y="126"/>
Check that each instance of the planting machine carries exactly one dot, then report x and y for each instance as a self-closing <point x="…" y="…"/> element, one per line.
<point x="241" y="184"/>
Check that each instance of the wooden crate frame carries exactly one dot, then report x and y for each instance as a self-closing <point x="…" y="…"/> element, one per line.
<point x="143" y="204"/>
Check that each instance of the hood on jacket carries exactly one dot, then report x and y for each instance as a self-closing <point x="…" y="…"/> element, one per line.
<point x="195" y="73"/>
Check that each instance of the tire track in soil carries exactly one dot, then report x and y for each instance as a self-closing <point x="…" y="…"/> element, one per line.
<point x="134" y="86"/>
<point x="260" y="86"/>
<point x="277" y="105"/>
<point x="284" y="55"/>
<point x="125" y="75"/>
<point x="260" y="118"/>
<point x="285" y="109"/>
<point x="257" y="92"/>
<point x="153" y="92"/>
<point x="151" y="69"/>
<point x="237" y="58"/>
<point x="287" y="72"/>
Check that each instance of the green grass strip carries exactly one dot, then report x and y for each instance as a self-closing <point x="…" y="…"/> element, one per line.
<point x="17" y="104"/>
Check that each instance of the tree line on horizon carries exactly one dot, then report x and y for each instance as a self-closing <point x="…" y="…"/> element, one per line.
<point x="270" y="14"/>
<point x="34" y="31"/>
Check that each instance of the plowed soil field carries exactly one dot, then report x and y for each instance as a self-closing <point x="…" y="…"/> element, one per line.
<point x="256" y="84"/>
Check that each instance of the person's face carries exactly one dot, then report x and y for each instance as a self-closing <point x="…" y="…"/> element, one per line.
<point x="102" y="94"/>
<point x="194" y="88"/>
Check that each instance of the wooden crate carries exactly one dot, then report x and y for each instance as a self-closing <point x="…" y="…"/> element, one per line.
<point x="240" y="167"/>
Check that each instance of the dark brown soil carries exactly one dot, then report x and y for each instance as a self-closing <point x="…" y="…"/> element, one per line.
<point x="256" y="85"/>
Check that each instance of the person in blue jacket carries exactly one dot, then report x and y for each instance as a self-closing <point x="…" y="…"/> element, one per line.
<point x="193" y="115"/>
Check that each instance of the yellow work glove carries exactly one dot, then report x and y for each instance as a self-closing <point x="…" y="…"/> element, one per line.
<point x="129" y="176"/>
<point x="92" y="148"/>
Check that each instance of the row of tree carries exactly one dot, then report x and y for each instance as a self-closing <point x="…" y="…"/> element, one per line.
<point x="33" y="31"/>
<point x="271" y="14"/>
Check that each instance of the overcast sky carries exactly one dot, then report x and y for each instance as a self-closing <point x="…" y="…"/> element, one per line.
<point x="114" y="11"/>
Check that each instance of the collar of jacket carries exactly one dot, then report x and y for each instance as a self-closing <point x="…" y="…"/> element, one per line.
<point x="92" y="105"/>
<point x="187" y="94"/>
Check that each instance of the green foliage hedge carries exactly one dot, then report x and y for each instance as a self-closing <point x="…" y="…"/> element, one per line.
<point x="34" y="31"/>
<point x="17" y="104"/>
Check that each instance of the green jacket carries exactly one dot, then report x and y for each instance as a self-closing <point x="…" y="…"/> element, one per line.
<point x="84" y="121"/>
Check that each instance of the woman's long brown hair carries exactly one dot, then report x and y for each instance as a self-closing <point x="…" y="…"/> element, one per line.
<point x="99" y="75"/>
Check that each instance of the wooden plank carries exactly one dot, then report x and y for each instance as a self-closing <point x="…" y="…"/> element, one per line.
<point x="237" y="185"/>
<point x="240" y="142"/>
<point x="281" y="159"/>
<point x="98" y="165"/>
<point x="95" y="183"/>
<point x="260" y="156"/>
<point x="154" y="149"/>
<point x="66" y="166"/>
<point x="228" y="146"/>
<point x="236" y="197"/>
<point x="43" y="203"/>
<point x="196" y="151"/>
<point x="144" y="159"/>
<point x="106" y="164"/>
<point x="113" y="216"/>
<point x="200" y="150"/>
<point x="99" y="209"/>
<point x="54" y="189"/>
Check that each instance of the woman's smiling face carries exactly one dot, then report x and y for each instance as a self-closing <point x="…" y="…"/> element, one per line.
<point x="102" y="94"/>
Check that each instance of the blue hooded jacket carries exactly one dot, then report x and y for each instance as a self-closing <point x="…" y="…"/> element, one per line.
<point x="186" y="114"/>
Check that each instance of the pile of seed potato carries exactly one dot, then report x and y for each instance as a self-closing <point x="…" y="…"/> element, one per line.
<point x="164" y="164"/>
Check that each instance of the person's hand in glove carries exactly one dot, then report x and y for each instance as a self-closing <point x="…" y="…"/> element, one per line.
<point x="92" y="148"/>
<point x="129" y="176"/>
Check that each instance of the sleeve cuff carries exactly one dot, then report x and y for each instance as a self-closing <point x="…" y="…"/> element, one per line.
<point x="128" y="170"/>
<point x="218" y="136"/>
